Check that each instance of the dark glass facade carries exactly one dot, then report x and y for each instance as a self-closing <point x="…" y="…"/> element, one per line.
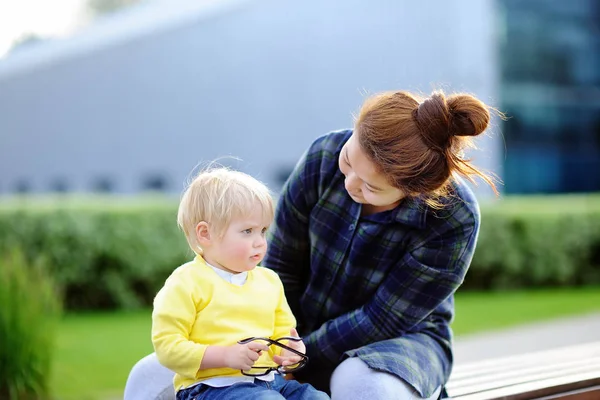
<point x="550" y="89"/>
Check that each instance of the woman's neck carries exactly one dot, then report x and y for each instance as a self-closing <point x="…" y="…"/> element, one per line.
<point x="369" y="209"/>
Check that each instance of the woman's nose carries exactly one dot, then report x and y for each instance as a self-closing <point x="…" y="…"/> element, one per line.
<point x="351" y="182"/>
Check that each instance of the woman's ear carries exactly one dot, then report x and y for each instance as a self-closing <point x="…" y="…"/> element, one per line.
<point x="203" y="234"/>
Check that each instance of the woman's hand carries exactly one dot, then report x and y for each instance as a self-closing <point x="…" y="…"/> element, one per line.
<point x="287" y="357"/>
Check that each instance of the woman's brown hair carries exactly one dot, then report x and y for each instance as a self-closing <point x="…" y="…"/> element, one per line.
<point x="418" y="143"/>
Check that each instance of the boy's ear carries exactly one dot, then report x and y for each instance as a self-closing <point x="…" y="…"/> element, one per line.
<point x="203" y="233"/>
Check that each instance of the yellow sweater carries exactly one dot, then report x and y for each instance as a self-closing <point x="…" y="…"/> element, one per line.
<point x="196" y="308"/>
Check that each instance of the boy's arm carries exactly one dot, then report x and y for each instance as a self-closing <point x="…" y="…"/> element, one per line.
<point x="172" y="320"/>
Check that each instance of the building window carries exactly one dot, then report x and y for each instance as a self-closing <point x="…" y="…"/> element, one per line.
<point x="59" y="185"/>
<point x="103" y="185"/>
<point x="155" y="183"/>
<point x="550" y="88"/>
<point x="22" y="186"/>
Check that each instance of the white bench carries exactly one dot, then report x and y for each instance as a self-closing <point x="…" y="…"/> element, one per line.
<point x="571" y="373"/>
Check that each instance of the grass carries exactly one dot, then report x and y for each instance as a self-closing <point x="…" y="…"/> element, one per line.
<point x="96" y="351"/>
<point x="478" y="312"/>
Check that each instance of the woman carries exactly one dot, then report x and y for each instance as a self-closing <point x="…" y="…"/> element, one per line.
<point x="374" y="232"/>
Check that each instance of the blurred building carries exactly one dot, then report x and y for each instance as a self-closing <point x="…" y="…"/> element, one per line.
<point x="550" y="63"/>
<point x="138" y="100"/>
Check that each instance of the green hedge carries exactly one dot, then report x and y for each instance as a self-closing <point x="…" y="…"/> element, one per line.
<point x="538" y="242"/>
<point x="104" y="252"/>
<point x="108" y="252"/>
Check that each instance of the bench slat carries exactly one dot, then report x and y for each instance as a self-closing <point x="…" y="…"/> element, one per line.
<point x="503" y="363"/>
<point x="536" y="389"/>
<point x="567" y="373"/>
<point x="522" y="375"/>
<point x="592" y="393"/>
<point x="526" y="378"/>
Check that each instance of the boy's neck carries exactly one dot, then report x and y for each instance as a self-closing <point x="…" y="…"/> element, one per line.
<point x="216" y="265"/>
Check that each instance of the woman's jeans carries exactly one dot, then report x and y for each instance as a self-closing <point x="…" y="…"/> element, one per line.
<point x="354" y="380"/>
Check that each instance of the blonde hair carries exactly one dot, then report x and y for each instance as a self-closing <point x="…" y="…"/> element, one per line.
<point x="217" y="196"/>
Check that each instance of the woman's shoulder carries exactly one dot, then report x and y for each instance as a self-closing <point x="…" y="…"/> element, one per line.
<point x="319" y="165"/>
<point x="462" y="191"/>
<point x="460" y="203"/>
<point x="330" y="143"/>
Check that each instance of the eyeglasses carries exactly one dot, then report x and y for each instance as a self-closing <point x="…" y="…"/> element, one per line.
<point x="287" y="369"/>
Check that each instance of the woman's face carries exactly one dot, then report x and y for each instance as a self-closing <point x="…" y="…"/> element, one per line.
<point x="364" y="183"/>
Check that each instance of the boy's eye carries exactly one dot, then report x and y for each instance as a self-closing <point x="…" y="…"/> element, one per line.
<point x="248" y="231"/>
<point x="263" y="231"/>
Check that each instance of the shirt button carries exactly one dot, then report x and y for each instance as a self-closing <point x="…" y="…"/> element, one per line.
<point x="351" y="227"/>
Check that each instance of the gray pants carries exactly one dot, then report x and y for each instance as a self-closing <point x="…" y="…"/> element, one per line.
<point x="351" y="380"/>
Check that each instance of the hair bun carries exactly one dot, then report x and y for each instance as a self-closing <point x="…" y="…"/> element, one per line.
<point x="468" y="115"/>
<point x="432" y="117"/>
<point x="440" y="118"/>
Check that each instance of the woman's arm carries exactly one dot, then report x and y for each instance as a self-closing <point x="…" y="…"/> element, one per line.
<point x="420" y="282"/>
<point x="288" y="253"/>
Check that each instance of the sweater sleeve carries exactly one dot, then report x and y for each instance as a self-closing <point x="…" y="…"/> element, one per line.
<point x="284" y="318"/>
<point x="173" y="316"/>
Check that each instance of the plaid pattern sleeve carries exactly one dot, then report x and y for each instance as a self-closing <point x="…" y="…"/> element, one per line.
<point x="379" y="287"/>
<point x="289" y="246"/>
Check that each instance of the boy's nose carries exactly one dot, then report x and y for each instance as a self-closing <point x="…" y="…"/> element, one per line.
<point x="262" y="241"/>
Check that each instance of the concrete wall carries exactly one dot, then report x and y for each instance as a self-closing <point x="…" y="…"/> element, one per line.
<point x="131" y="99"/>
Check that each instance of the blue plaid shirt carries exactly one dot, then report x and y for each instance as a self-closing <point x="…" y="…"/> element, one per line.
<point x="379" y="287"/>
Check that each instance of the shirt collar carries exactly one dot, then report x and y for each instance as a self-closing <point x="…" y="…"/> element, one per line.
<point x="236" y="279"/>
<point x="412" y="211"/>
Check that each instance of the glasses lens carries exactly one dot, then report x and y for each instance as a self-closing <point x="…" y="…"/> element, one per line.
<point x="291" y="368"/>
<point x="257" y="371"/>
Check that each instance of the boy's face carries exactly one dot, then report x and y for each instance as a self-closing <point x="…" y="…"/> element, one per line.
<point x="242" y="246"/>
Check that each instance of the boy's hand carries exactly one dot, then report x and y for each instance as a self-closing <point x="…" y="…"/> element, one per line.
<point x="287" y="357"/>
<point x="243" y="356"/>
